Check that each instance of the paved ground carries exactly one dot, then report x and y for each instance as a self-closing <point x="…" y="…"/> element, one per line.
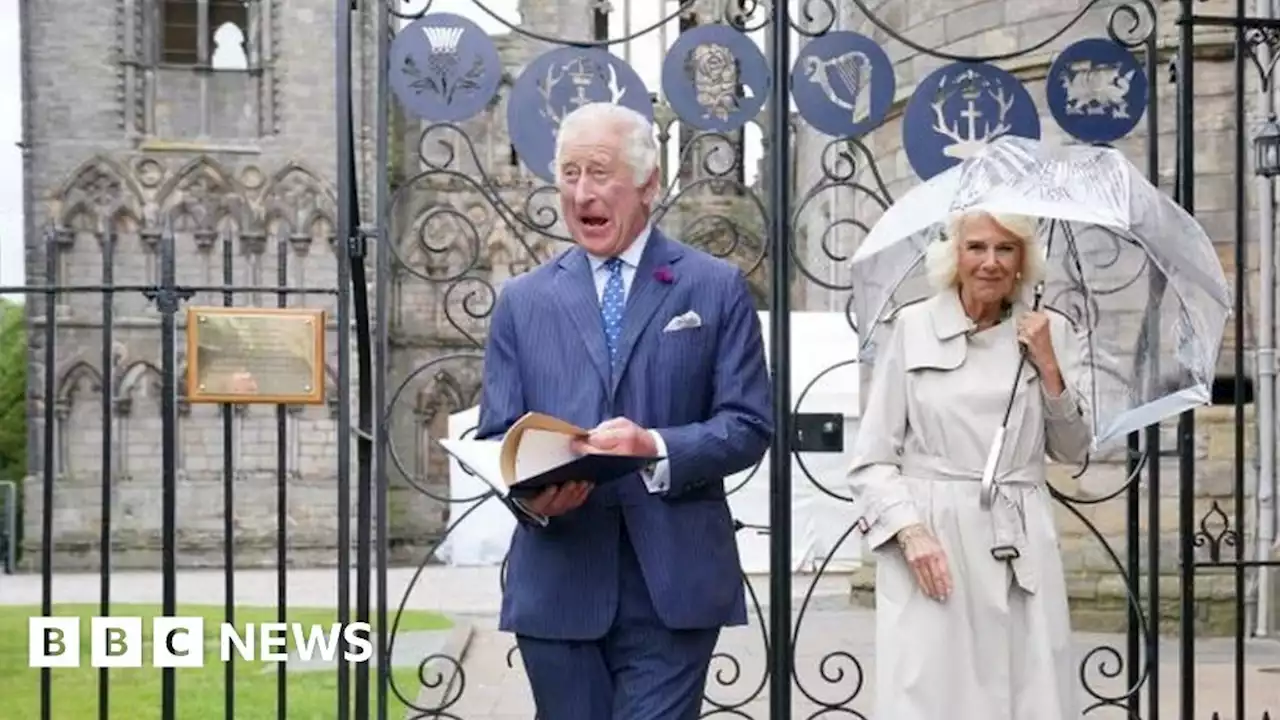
<point x="834" y="648"/>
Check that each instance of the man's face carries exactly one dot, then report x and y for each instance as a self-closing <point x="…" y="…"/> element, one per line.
<point x="602" y="205"/>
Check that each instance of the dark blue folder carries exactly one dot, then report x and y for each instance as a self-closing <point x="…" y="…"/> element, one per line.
<point x="595" y="468"/>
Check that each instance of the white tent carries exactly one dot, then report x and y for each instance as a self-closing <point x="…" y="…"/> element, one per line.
<point x="819" y="342"/>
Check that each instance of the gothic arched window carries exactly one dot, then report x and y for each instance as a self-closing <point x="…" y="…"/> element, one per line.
<point x="204" y="33"/>
<point x="180" y="36"/>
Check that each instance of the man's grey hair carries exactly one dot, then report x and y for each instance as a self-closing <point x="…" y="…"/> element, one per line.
<point x="639" y="147"/>
<point x="942" y="257"/>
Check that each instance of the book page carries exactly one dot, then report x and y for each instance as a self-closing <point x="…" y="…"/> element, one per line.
<point x="542" y="450"/>
<point x="539" y="421"/>
<point x="482" y="457"/>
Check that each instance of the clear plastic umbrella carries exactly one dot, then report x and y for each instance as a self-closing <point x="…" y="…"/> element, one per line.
<point x="1134" y="271"/>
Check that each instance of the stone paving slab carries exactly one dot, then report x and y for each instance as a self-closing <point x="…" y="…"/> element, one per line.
<point x="834" y="651"/>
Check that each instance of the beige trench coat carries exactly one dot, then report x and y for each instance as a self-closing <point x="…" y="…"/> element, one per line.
<point x="999" y="648"/>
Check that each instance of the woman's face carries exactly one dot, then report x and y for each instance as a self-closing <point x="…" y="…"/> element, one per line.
<point x="990" y="259"/>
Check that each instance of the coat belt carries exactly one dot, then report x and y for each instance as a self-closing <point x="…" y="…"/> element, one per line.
<point x="1008" y="512"/>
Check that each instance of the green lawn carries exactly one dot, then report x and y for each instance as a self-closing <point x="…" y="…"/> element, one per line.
<point x="135" y="692"/>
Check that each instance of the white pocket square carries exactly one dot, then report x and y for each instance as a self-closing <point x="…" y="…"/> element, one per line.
<point x="683" y="322"/>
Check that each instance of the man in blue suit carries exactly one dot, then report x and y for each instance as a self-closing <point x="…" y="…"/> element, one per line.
<point x="617" y="594"/>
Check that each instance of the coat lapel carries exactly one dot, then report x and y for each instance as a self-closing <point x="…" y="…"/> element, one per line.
<point x="646" y="296"/>
<point x="576" y="293"/>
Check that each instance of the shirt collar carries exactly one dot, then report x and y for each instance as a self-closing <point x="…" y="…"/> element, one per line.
<point x="631" y="256"/>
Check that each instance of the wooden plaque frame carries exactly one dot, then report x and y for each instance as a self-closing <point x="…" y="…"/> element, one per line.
<point x="224" y="375"/>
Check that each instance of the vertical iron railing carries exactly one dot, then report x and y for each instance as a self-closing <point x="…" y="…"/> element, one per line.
<point x="167" y="299"/>
<point x="351" y="278"/>
<point x="107" y="399"/>
<point x="383" y="29"/>
<point x="9" y="499"/>
<point x="779" y="108"/>
<point x="1144" y="456"/>
<point x="50" y="296"/>
<point x="282" y="490"/>
<point x="229" y="473"/>
<point x="1186" y="422"/>
<point x="1238" y="387"/>
<point x="344" y="232"/>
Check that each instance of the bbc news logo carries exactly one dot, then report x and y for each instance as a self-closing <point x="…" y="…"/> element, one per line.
<point x="181" y="642"/>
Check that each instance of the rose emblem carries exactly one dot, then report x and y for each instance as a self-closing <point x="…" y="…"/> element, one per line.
<point x="714" y="72"/>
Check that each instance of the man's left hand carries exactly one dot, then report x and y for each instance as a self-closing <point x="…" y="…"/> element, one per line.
<point x="618" y="436"/>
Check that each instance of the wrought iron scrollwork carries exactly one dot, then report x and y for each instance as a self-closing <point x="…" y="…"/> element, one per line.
<point x="1215" y="532"/>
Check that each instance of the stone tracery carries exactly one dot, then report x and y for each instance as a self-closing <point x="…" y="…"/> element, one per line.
<point x="129" y="201"/>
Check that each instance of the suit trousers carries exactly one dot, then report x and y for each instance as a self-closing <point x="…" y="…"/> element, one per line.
<point x="640" y="669"/>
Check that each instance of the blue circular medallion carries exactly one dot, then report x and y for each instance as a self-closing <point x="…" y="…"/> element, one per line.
<point x="960" y="107"/>
<point x="715" y="78"/>
<point x="557" y="83"/>
<point x="444" y="68"/>
<point x="843" y="84"/>
<point x="1096" y="90"/>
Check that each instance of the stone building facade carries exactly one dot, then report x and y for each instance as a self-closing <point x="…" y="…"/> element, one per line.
<point x="129" y="126"/>
<point x="216" y="117"/>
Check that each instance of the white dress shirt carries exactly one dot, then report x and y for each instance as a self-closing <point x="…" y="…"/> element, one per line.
<point x="657" y="478"/>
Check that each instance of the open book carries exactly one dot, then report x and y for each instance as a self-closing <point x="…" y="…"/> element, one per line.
<point x="537" y="453"/>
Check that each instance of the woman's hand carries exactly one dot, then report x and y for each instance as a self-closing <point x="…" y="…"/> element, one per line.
<point x="1034" y="336"/>
<point x="927" y="560"/>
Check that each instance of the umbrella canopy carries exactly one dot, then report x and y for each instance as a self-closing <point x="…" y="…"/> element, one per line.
<point x="1134" y="271"/>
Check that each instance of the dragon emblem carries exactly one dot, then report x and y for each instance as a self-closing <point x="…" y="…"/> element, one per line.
<point x="1097" y="90"/>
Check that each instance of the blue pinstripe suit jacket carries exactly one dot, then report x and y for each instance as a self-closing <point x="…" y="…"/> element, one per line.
<point x="707" y="392"/>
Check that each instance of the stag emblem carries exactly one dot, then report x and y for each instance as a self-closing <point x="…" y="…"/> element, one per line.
<point x="582" y="74"/>
<point x="851" y="74"/>
<point x="1096" y="89"/>
<point x="980" y="98"/>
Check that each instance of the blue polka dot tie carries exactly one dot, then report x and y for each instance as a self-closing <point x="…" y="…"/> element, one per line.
<point x="612" y="303"/>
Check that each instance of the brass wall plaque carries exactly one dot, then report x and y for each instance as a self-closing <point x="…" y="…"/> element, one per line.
<point x="255" y="355"/>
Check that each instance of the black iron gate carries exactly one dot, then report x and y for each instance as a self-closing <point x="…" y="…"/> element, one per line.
<point x="462" y="143"/>
<point x="462" y="199"/>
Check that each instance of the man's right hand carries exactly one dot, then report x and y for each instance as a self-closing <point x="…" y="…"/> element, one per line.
<point x="560" y="499"/>
<point x="927" y="560"/>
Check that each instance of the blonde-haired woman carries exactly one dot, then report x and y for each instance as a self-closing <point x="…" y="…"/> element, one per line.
<point x="971" y="604"/>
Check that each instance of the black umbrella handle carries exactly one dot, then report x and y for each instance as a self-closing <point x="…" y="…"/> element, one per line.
<point x="993" y="460"/>
<point x="1017" y="376"/>
<point x="1035" y="305"/>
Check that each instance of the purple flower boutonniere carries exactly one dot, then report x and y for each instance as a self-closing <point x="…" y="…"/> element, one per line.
<point x="664" y="275"/>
